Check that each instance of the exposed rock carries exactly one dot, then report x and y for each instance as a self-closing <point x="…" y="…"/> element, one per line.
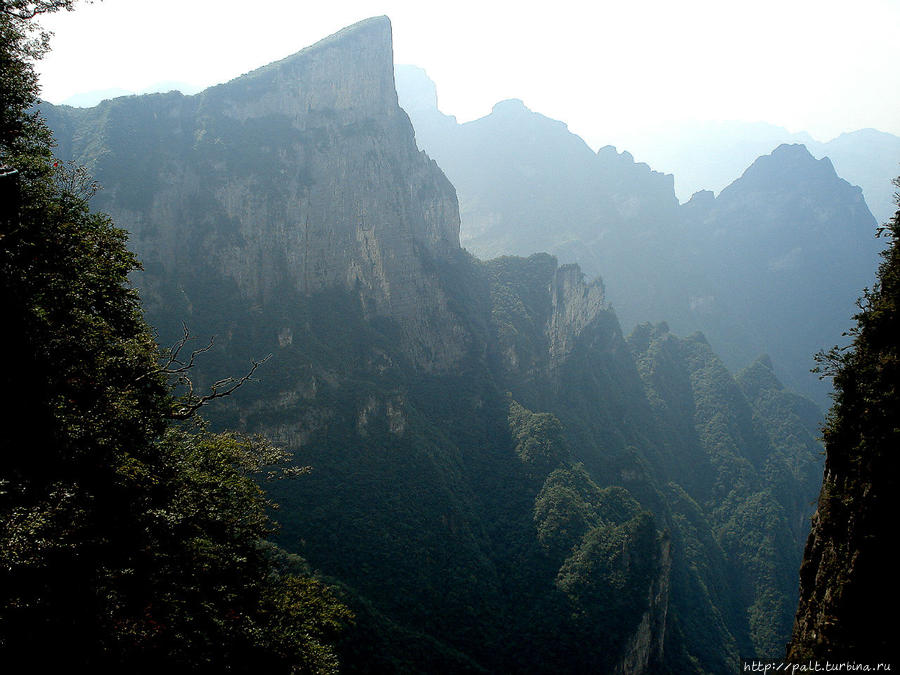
<point x="644" y="650"/>
<point x="575" y="304"/>
<point x="305" y="171"/>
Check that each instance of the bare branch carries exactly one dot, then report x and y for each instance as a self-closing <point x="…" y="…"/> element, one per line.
<point x="174" y="365"/>
<point x="176" y="368"/>
<point x="191" y="403"/>
<point x="74" y="181"/>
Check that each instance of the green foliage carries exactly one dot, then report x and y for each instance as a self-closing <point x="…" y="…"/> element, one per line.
<point x="538" y="438"/>
<point x="22" y="132"/>
<point x="570" y="503"/>
<point x="608" y="556"/>
<point x="849" y="564"/>
<point x="610" y="572"/>
<point x="750" y="462"/>
<point x="126" y="543"/>
<point x="518" y="302"/>
<point x="464" y="535"/>
<point x="866" y="372"/>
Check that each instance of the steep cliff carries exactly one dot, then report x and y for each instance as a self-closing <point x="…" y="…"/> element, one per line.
<point x="848" y="584"/>
<point x="500" y="483"/>
<point x="574" y="305"/>
<point x="300" y="176"/>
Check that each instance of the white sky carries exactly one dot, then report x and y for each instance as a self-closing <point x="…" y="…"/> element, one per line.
<point x="605" y="68"/>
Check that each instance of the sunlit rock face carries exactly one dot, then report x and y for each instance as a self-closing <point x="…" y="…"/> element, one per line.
<point x="304" y="172"/>
<point x="505" y="481"/>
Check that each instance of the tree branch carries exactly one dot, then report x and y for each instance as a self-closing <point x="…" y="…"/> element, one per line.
<point x="191" y="403"/>
<point x="177" y="369"/>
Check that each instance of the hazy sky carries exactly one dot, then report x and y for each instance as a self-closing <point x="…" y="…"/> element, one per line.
<point x="609" y="69"/>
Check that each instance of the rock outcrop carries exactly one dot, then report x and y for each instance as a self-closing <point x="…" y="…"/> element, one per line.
<point x="646" y="647"/>
<point x="304" y="172"/>
<point x="575" y="304"/>
<point x="848" y="586"/>
<point x="289" y="211"/>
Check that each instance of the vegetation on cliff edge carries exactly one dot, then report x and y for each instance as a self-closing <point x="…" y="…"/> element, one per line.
<point x="128" y="541"/>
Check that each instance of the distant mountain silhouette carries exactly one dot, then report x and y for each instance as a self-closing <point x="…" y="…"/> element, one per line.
<point x="772" y="265"/>
<point x="501" y="480"/>
<point x="89" y="99"/>
<point x="710" y="155"/>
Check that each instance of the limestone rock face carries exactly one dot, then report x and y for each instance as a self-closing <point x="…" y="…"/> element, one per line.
<point x="645" y="649"/>
<point x="303" y="172"/>
<point x="290" y="212"/>
<point x="575" y="304"/>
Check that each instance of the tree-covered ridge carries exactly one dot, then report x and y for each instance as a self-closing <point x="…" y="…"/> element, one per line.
<point x="848" y="568"/>
<point x="127" y="542"/>
<point x="502" y="482"/>
<point x="749" y="460"/>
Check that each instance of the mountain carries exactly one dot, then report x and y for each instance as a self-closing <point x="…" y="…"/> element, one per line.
<point x="785" y="243"/>
<point x="707" y="155"/>
<point x="710" y="155"/>
<point x="868" y="158"/>
<point x="770" y="265"/>
<point x="501" y="480"/>
<point x="91" y="98"/>
<point x="232" y="159"/>
<point x="530" y="173"/>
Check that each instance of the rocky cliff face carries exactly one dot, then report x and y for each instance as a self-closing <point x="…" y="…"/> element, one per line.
<point x="848" y="588"/>
<point x="303" y="173"/>
<point x="494" y="465"/>
<point x="645" y="649"/>
<point x="575" y="304"/>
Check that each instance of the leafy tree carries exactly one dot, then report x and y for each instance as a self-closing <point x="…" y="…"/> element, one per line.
<point x="128" y="542"/>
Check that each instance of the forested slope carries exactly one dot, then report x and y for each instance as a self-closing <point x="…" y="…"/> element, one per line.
<point x="501" y="481"/>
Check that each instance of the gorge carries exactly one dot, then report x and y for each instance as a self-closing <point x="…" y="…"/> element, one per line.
<point x="503" y="480"/>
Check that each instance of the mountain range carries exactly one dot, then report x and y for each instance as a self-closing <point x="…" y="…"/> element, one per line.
<point x="503" y="480"/>
<point x="773" y="264"/>
<point x="706" y="155"/>
<point x="711" y="155"/>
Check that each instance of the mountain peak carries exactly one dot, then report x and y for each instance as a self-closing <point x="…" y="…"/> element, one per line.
<point x="377" y="28"/>
<point x="309" y="169"/>
<point x="788" y="164"/>
<point x="349" y="71"/>
<point x="511" y="106"/>
<point x="797" y="156"/>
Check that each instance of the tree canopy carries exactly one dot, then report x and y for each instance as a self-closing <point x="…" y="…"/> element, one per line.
<point x="129" y="542"/>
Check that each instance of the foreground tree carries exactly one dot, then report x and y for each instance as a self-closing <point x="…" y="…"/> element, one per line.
<point x="848" y="587"/>
<point x="128" y="542"/>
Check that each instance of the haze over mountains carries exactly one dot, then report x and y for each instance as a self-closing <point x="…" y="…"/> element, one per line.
<point x="89" y="99"/>
<point x="710" y="156"/>
<point x="773" y="264"/>
<point x="502" y="480"/>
